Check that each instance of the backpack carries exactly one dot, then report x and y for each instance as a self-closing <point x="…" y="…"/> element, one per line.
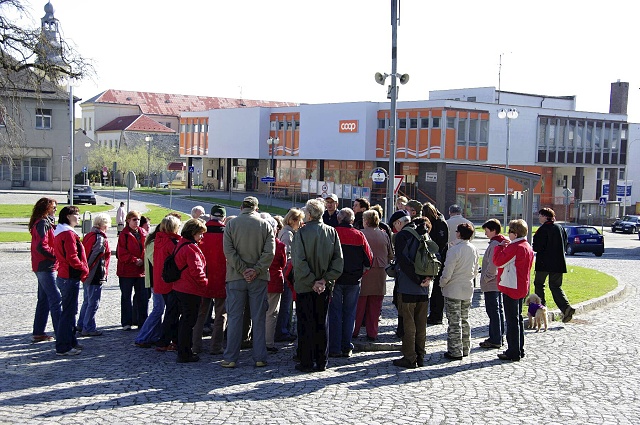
<point x="170" y="271"/>
<point x="426" y="261"/>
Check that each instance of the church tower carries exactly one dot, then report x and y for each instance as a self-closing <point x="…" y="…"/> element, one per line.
<point x="49" y="47"/>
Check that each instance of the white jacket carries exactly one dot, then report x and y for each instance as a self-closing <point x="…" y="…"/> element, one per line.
<point x="460" y="269"/>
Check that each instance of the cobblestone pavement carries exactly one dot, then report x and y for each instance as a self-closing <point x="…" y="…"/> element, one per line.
<point x="586" y="371"/>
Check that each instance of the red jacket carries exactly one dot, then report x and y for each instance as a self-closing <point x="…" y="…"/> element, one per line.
<point x="129" y="251"/>
<point x="163" y="246"/>
<point x="42" y="256"/>
<point x="522" y="251"/>
<point x="276" y="278"/>
<point x="211" y="246"/>
<point x="193" y="279"/>
<point x="98" y="259"/>
<point x="72" y="260"/>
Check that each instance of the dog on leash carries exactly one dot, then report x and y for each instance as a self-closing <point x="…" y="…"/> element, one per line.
<point x="536" y="312"/>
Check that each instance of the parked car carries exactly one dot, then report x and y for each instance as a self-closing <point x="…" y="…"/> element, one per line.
<point x="584" y="239"/>
<point x="163" y="185"/>
<point x="82" y="194"/>
<point x="626" y="224"/>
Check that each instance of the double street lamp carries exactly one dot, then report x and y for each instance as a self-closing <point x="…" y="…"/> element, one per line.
<point x="509" y="114"/>
<point x="148" y="139"/>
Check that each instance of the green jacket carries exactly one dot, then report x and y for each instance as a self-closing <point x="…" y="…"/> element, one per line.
<point x="248" y="243"/>
<point x="316" y="254"/>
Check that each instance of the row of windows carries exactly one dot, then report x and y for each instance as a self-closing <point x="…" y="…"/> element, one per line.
<point x="33" y="169"/>
<point x="412" y="123"/>
<point x="580" y="134"/>
<point x="285" y="125"/>
<point x="191" y="128"/>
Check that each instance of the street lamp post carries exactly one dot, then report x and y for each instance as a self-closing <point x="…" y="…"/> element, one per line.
<point x="509" y="114"/>
<point x="273" y="142"/>
<point x="148" y="139"/>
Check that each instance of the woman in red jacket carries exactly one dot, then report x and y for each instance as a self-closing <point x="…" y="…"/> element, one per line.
<point x="44" y="265"/>
<point x="72" y="268"/>
<point x="130" y="272"/>
<point x="514" y="260"/>
<point x="191" y="286"/>
<point x="164" y="245"/>
<point x="275" y="288"/>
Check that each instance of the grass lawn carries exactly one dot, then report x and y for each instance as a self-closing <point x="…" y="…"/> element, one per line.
<point x="25" y="210"/>
<point x="15" y="236"/>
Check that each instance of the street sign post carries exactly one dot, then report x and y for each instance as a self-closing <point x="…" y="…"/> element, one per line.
<point x="268" y="179"/>
<point x="397" y="183"/>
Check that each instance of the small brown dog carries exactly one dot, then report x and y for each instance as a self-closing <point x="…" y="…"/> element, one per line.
<point x="536" y="312"/>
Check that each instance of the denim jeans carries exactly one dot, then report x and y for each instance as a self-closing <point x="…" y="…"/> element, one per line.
<point x="66" y="334"/>
<point x="90" y="304"/>
<point x="237" y="291"/>
<point x="342" y="317"/>
<point x="151" y="331"/>
<point x="127" y="286"/>
<point x="49" y="301"/>
<point x="493" y="307"/>
<point x="515" y="327"/>
<point x="283" y="325"/>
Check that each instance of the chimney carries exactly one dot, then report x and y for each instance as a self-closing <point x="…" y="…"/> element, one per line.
<point x="619" y="98"/>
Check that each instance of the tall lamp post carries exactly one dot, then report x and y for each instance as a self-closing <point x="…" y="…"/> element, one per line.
<point x="509" y="114"/>
<point x="392" y="94"/>
<point x="273" y="142"/>
<point x="148" y="139"/>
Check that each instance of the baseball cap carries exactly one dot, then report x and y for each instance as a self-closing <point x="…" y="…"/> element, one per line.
<point x="332" y="196"/>
<point x="250" y="202"/>
<point x="218" y="211"/>
<point x="396" y="216"/>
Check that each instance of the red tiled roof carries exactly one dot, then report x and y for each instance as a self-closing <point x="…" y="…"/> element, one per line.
<point x="140" y="123"/>
<point x="173" y="104"/>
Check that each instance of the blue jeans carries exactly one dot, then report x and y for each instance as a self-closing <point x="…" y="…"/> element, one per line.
<point x="127" y="286"/>
<point x="48" y="302"/>
<point x="66" y="333"/>
<point x="151" y="331"/>
<point x="237" y="291"/>
<point x="493" y="307"/>
<point x="284" y="316"/>
<point x="342" y="317"/>
<point x="515" y="327"/>
<point x="90" y="304"/>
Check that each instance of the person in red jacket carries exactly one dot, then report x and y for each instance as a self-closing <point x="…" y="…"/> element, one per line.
<point x="44" y="265"/>
<point x="72" y="268"/>
<point x="191" y="286"/>
<point x="514" y="260"/>
<point x="216" y="292"/>
<point x="99" y="255"/>
<point x="164" y="244"/>
<point x="275" y="287"/>
<point x="130" y="272"/>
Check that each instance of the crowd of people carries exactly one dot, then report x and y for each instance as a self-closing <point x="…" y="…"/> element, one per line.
<point x="237" y="279"/>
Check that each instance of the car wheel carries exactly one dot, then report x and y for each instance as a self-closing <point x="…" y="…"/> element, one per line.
<point x="598" y="254"/>
<point x="613" y="230"/>
<point x="570" y="250"/>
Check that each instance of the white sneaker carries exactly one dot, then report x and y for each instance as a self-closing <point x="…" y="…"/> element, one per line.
<point x="72" y="352"/>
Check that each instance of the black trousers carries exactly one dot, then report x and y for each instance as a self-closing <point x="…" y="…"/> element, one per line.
<point x="436" y="302"/>
<point x="188" y="308"/>
<point x="555" y="286"/>
<point x="170" y="321"/>
<point x="313" y="328"/>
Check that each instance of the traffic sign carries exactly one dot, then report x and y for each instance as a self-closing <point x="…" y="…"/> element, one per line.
<point x="105" y="169"/>
<point x="104" y="173"/>
<point x="268" y="179"/>
<point x="603" y="201"/>
<point x="84" y="169"/>
<point x="191" y="169"/>
<point x="397" y="181"/>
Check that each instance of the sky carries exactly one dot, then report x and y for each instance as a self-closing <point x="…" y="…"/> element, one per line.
<point x="328" y="51"/>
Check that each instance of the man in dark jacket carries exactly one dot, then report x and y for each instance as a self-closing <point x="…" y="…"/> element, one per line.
<point x="360" y="205"/>
<point x="413" y="291"/>
<point x="342" y="309"/>
<point x="330" y="215"/>
<point x="549" y="243"/>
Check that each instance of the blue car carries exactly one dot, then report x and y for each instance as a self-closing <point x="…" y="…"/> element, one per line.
<point x="584" y="239"/>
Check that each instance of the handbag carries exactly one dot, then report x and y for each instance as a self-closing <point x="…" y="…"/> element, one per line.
<point x="391" y="269"/>
<point x="509" y="278"/>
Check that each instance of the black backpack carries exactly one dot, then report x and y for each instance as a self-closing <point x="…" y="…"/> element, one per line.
<point x="170" y="271"/>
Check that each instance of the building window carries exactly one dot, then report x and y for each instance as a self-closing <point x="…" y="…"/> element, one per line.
<point x="167" y="124"/>
<point x="43" y="118"/>
<point x="298" y="124"/>
<point x="424" y="122"/>
<point x="473" y="128"/>
<point x="451" y="122"/>
<point x="196" y="128"/>
<point x="462" y="130"/>
<point x="402" y="123"/>
<point x="38" y="169"/>
<point x="471" y="99"/>
<point x="183" y="128"/>
<point x="282" y="125"/>
<point x="381" y="123"/>
<point x="413" y="123"/>
<point x="5" y="169"/>
<point x="484" y="132"/>
<point x="90" y="123"/>
<point x="435" y="122"/>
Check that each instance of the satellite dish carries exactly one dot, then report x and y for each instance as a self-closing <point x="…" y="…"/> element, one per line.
<point x="380" y="78"/>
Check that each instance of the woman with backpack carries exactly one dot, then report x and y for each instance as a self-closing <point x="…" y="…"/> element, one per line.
<point x="98" y="257"/>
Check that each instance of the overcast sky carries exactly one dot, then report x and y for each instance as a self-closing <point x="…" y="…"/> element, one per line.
<point x="328" y="51"/>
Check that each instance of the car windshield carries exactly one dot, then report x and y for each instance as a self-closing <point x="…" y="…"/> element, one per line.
<point x="587" y="231"/>
<point x="630" y="218"/>
<point x="82" y="189"/>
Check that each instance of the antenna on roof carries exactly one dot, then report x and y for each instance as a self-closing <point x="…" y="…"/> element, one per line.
<point x="241" y="101"/>
<point x="499" y="74"/>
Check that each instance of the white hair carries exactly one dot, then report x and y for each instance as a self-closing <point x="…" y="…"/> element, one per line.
<point x="102" y="219"/>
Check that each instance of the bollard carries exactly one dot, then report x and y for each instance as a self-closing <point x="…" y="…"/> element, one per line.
<point x="86" y="223"/>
